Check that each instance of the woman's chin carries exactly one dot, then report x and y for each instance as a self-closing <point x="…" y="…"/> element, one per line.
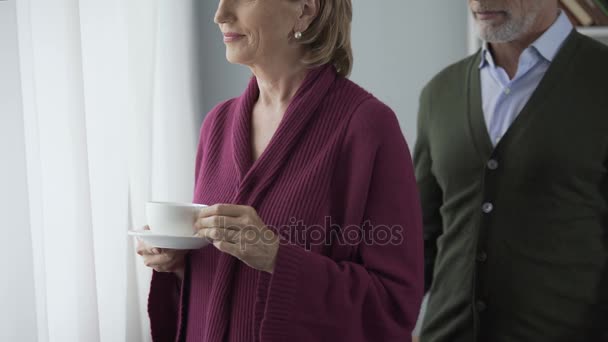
<point x="235" y="58"/>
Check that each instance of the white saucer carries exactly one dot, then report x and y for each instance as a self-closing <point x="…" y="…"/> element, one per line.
<point x="169" y="241"/>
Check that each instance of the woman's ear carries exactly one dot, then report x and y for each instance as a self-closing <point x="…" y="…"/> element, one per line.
<point x="309" y="11"/>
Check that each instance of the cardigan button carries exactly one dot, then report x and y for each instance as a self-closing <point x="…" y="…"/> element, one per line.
<point x="480" y="306"/>
<point x="482" y="257"/>
<point x="492" y="164"/>
<point x="487" y="207"/>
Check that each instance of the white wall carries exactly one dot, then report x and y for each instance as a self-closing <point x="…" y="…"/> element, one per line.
<point x="220" y="80"/>
<point x="398" y="46"/>
<point x="17" y="296"/>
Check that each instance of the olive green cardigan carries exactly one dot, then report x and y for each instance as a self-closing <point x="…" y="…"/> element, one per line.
<point x="517" y="234"/>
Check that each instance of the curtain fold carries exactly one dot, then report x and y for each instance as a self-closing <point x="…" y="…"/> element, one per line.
<point x="111" y="108"/>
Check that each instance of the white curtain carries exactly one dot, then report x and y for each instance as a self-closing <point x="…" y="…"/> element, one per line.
<point x="111" y="109"/>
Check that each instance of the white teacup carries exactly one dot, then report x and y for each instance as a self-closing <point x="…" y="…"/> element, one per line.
<point x="176" y="219"/>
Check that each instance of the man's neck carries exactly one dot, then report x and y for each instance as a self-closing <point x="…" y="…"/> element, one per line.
<point x="506" y="55"/>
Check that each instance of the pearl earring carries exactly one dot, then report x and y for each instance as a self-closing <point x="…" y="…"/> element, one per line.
<point x="298" y="35"/>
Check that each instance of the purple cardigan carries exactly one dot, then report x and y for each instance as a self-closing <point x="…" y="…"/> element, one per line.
<point x="336" y="183"/>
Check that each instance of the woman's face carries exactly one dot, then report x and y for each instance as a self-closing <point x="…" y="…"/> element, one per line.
<point x="257" y="31"/>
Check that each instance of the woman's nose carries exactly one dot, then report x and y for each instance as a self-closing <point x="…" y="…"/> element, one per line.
<point x="223" y="13"/>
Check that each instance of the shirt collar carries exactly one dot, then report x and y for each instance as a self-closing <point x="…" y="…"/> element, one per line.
<point x="547" y="45"/>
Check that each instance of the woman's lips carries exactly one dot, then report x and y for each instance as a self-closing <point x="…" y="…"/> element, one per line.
<point x="232" y="37"/>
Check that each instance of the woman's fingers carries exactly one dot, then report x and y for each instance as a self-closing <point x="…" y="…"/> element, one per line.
<point x="149" y="251"/>
<point x="143" y="249"/>
<point x="219" y="234"/>
<point x="165" y="261"/>
<point x="227" y="247"/>
<point x="218" y="222"/>
<point x="156" y="260"/>
<point x="161" y="260"/>
<point x="230" y="210"/>
<point x="240" y="232"/>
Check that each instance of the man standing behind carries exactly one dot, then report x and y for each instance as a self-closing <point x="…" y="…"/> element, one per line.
<point x="511" y="161"/>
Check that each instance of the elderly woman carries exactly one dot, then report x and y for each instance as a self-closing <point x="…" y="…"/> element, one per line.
<point x="315" y="222"/>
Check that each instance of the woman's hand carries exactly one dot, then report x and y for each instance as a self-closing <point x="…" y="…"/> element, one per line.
<point x="239" y="231"/>
<point x="162" y="260"/>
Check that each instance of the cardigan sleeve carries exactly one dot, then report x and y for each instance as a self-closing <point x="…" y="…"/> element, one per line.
<point x="376" y="295"/>
<point x="164" y="306"/>
<point x="431" y="195"/>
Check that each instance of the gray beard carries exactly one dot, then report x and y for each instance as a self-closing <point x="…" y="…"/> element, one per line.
<point x="511" y="30"/>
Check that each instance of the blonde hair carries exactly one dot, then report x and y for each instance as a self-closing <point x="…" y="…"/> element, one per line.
<point x="328" y="38"/>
